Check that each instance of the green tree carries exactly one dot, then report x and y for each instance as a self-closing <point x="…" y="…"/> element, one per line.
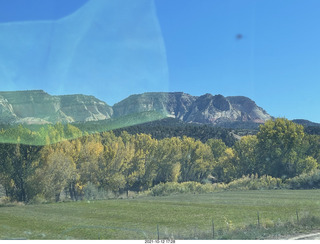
<point x="54" y="175"/>
<point x="225" y="170"/>
<point x="17" y="166"/>
<point x="217" y="146"/>
<point x="197" y="160"/>
<point x="246" y="156"/>
<point x="279" y="148"/>
<point x="113" y="166"/>
<point x="312" y="146"/>
<point x="141" y="170"/>
<point x="306" y="165"/>
<point x="88" y="162"/>
<point x="72" y="150"/>
<point x="71" y="132"/>
<point x="168" y="157"/>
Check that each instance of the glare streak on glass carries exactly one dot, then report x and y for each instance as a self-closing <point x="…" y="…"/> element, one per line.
<point x="107" y="48"/>
<point x="103" y="48"/>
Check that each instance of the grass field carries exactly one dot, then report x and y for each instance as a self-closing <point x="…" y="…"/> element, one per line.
<point x="178" y="216"/>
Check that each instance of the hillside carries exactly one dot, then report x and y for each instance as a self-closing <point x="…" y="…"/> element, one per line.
<point x="35" y="108"/>
<point x="38" y="107"/>
<point x="205" y="109"/>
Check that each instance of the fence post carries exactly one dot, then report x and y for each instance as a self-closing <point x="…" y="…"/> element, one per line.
<point x="297" y="217"/>
<point x="212" y="229"/>
<point x="258" y="219"/>
<point x="158" y="232"/>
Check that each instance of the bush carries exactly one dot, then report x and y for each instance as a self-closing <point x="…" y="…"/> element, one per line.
<point x="8" y="202"/>
<point x="38" y="199"/>
<point x="254" y="182"/>
<point x="169" y="188"/>
<point x="309" y="180"/>
<point x="5" y="200"/>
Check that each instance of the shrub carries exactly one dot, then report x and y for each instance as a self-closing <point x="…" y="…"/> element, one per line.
<point x="305" y="181"/>
<point x="248" y="182"/>
<point x="8" y="202"/>
<point x="169" y="188"/>
<point x="5" y="200"/>
<point x="253" y="182"/>
<point x="38" y="199"/>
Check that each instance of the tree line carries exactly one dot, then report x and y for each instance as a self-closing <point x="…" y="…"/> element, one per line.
<point x="158" y="129"/>
<point x="124" y="162"/>
<point x="171" y="127"/>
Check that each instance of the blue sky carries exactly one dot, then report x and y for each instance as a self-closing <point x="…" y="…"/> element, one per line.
<point x="276" y="62"/>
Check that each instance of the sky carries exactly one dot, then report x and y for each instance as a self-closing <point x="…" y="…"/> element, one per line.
<point x="267" y="50"/>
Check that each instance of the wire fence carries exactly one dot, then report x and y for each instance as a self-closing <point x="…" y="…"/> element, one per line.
<point x="260" y="228"/>
<point x="256" y="224"/>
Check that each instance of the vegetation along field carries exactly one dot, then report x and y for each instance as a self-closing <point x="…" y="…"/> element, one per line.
<point x="187" y="216"/>
<point x="184" y="187"/>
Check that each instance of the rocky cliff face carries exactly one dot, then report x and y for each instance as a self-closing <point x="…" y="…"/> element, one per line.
<point x="38" y="107"/>
<point x="206" y="109"/>
<point x="6" y="111"/>
<point x="175" y="104"/>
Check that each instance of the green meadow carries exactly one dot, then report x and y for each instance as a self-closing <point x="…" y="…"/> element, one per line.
<point x="191" y="216"/>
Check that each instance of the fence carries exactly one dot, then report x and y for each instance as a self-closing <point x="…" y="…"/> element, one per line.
<point x="259" y="229"/>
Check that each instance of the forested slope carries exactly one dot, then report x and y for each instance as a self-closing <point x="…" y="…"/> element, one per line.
<point x="136" y="162"/>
